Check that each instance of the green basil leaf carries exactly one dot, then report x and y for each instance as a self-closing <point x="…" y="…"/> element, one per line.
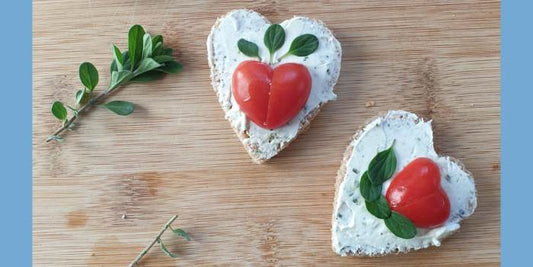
<point x="181" y="233"/>
<point x="157" y="39"/>
<point x="147" y="64"/>
<point x="304" y="45"/>
<point x="171" y="67"/>
<point x="163" y="58"/>
<point x="369" y="191"/>
<point x="135" y="44"/>
<point x="400" y="226"/>
<point x="248" y="48"/>
<point x="167" y="51"/>
<point x="88" y="75"/>
<point x="119" y="78"/>
<point x="382" y="166"/>
<point x="123" y="108"/>
<point x="149" y="76"/>
<point x="274" y="37"/>
<point x="165" y="250"/>
<point x="59" y="111"/>
<point x="118" y="57"/>
<point x="147" y="45"/>
<point x="379" y="208"/>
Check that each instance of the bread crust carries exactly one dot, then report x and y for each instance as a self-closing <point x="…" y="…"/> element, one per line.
<point x="215" y="80"/>
<point x="341" y="174"/>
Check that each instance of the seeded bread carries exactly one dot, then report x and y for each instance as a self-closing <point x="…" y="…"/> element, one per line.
<point x="223" y="56"/>
<point x="360" y="245"/>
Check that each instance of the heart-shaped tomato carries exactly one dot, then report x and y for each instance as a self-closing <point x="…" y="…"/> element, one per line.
<point x="416" y="193"/>
<point x="271" y="97"/>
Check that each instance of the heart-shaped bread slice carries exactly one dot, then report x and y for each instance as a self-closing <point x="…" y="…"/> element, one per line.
<point x="224" y="56"/>
<point x="355" y="231"/>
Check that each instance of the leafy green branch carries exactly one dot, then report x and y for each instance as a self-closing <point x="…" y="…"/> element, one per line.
<point x="146" y="59"/>
<point x="157" y="240"/>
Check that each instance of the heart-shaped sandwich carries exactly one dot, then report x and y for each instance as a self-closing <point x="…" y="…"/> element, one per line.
<point x="271" y="80"/>
<point x="394" y="193"/>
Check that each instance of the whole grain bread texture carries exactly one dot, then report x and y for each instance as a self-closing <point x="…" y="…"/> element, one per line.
<point x="244" y="134"/>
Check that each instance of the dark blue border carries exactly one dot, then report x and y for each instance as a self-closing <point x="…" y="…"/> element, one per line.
<point x="517" y="137"/>
<point x="16" y="133"/>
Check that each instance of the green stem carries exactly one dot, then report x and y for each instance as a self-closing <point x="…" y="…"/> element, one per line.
<point x="286" y="54"/>
<point x="156" y="239"/>
<point x="92" y="102"/>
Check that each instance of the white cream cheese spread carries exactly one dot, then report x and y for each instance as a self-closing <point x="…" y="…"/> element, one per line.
<point x="355" y="230"/>
<point x="224" y="56"/>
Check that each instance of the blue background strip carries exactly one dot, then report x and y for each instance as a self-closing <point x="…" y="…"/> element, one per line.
<point x="517" y="135"/>
<point x="15" y="132"/>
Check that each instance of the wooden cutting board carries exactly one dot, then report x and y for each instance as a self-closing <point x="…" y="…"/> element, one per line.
<point x="177" y="155"/>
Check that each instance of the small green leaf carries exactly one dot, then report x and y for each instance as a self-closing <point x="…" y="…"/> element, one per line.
<point x="157" y="39"/>
<point x="88" y="75"/>
<point x="59" y="111"/>
<point x="157" y="49"/>
<point x="274" y="37"/>
<point x="165" y="250"/>
<point x="382" y="166"/>
<point x="248" y="48"/>
<point x="163" y="58"/>
<point x="181" y="233"/>
<point x="118" y="57"/>
<point x="125" y="62"/>
<point x="400" y="226"/>
<point x="147" y="64"/>
<point x="120" y="77"/>
<point x="304" y="45"/>
<point x="171" y="67"/>
<point x="123" y="108"/>
<point x="79" y="96"/>
<point x="167" y="51"/>
<point x="82" y="97"/>
<point x="369" y="191"/>
<point x="147" y="45"/>
<point x="149" y="76"/>
<point x="379" y="208"/>
<point x="135" y="44"/>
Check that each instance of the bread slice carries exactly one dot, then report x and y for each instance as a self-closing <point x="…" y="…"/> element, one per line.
<point x="354" y="230"/>
<point x="223" y="57"/>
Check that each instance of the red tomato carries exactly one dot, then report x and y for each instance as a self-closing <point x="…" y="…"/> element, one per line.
<point x="416" y="193"/>
<point x="271" y="97"/>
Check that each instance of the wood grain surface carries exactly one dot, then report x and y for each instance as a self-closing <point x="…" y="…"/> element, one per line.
<point x="177" y="155"/>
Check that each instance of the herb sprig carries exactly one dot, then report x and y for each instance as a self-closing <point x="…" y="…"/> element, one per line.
<point x="274" y="39"/>
<point x="157" y="240"/>
<point x="147" y="59"/>
<point x="381" y="169"/>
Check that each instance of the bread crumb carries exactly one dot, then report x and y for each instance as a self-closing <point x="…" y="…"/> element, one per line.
<point x="370" y="104"/>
